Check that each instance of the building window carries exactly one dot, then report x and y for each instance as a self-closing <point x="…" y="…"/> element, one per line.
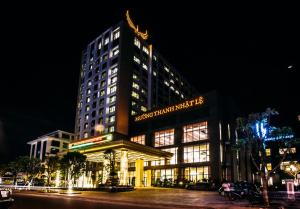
<point x="135" y="95"/>
<point x="102" y="93"/>
<point x="137" y="60"/>
<point x="85" y="135"/>
<point x="196" y="174"/>
<point x="111" y="129"/>
<point x="112" y="109"/>
<point x="166" y="69"/>
<point x="102" y="84"/>
<point x="87" y="108"/>
<point x="164" y="138"/>
<point x="113" y="80"/>
<point x="196" y="153"/>
<point x="138" y="139"/>
<point x="173" y="160"/>
<point x="195" y="132"/>
<point x="113" y="70"/>
<point x="112" y="99"/>
<point x="55" y="143"/>
<point x="106" y="41"/>
<point x="144" y="109"/>
<point x="114" y="52"/>
<point x="116" y="35"/>
<point x="86" y="117"/>
<point x="86" y="125"/>
<point x="89" y="83"/>
<point x="112" y="119"/>
<point x="112" y="89"/>
<point x="145" y="50"/>
<point x="145" y="66"/>
<point x="269" y="166"/>
<point x="291" y="150"/>
<point x="133" y="112"/>
<point x="137" y="42"/>
<point x="268" y="152"/>
<point x="135" y="85"/>
<point x="88" y="91"/>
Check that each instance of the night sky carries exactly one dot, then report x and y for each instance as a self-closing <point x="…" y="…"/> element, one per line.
<point x="244" y="50"/>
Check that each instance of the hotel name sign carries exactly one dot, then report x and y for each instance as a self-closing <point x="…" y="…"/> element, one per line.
<point x="174" y="108"/>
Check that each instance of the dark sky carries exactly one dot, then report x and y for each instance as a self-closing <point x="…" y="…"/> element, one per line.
<point x="245" y="50"/>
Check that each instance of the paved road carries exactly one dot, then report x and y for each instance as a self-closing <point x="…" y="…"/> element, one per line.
<point x="32" y="201"/>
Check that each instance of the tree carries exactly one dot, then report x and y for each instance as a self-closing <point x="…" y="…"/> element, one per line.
<point x="110" y="155"/>
<point x="253" y="133"/>
<point x="52" y="165"/>
<point x="73" y="165"/>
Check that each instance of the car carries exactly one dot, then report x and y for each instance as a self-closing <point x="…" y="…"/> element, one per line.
<point x="6" y="199"/>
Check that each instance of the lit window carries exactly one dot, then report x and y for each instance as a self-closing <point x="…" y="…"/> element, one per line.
<point x="166" y="69"/>
<point x="100" y="45"/>
<point x="172" y="88"/>
<point x="172" y="81"/>
<point x="102" y="93"/>
<point x="135" y="95"/>
<point x="145" y="50"/>
<point x="112" y="89"/>
<point x="111" y="129"/>
<point x="138" y="139"/>
<point x="133" y="103"/>
<point x="144" y="109"/>
<point x="195" y="132"/>
<point x="269" y="166"/>
<point x="173" y="160"/>
<point x="85" y="135"/>
<point x="291" y="150"/>
<point x="177" y="92"/>
<point x="196" y="153"/>
<point x="88" y="91"/>
<point x="166" y="83"/>
<point x="112" y="119"/>
<point x="89" y="83"/>
<point x="137" y="42"/>
<point x="137" y="60"/>
<point x="106" y="41"/>
<point x="102" y="84"/>
<point x="87" y="108"/>
<point x="143" y="91"/>
<point x="113" y="80"/>
<point x="115" y="52"/>
<point x="112" y="99"/>
<point x="164" y="138"/>
<point x="182" y="96"/>
<point x="112" y="109"/>
<point x="268" y="152"/>
<point x="196" y="174"/>
<point x="145" y="66"/>
<point x="88" y="99"/>
<point x="86" y="116"/>
<point x="116" y="35"/>
<point x="154" y="57"/>
<point x="154" y="73"/>
<point x="86" y="125"/>
<point x="113" y="70"/>
<point x="133" y="112"/>
<point x="135" y="77"/>
<point x="136" y="86"/>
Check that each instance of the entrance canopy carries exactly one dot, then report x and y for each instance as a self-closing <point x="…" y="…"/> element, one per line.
<point x="95" y="152"/>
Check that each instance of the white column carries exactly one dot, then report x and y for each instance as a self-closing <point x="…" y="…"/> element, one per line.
<point x="123" y="167"/>
<point x="30" y="150"/>
<point x="35" y="150"/>
<point x="41" y="152"/>
<point x="106" y="171"/>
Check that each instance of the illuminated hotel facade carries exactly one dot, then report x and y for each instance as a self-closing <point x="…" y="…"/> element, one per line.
<point x="123" y="75"/>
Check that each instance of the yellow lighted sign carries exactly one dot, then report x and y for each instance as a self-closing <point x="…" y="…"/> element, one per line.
<point x="174" y="108"/>
<point x="136" y="28"/>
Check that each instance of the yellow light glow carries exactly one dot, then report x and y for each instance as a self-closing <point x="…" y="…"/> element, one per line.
<point x="136" y="28"/>
<point x="57" y="179"/>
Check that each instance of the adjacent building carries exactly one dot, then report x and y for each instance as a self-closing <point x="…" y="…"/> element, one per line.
<point x="50" y="144"/>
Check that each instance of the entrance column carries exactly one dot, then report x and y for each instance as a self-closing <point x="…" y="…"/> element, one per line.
<point x="123" y="167"/>
<point x="139" y="172"/>
<point x="148" y="173"/>
<point x="106" y="170"/>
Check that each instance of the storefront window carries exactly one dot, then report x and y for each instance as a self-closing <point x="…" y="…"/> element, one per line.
<point x="138" y="139"/>
<point x="173" y="160"/>
<point x="195" y="132"/>
<point x="164" y="138"/>
<point x="195" y="174"/>
<point x="196" y="153"/>
<point x="164" y="175"/>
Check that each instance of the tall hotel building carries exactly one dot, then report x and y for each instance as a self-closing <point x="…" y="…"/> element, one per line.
<point x="123" y="75"/>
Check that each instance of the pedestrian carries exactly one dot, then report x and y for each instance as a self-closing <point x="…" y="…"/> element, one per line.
<point x="226" y="188"/>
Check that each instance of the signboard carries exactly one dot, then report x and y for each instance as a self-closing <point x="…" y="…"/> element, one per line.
<point x="173" y="108"/>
